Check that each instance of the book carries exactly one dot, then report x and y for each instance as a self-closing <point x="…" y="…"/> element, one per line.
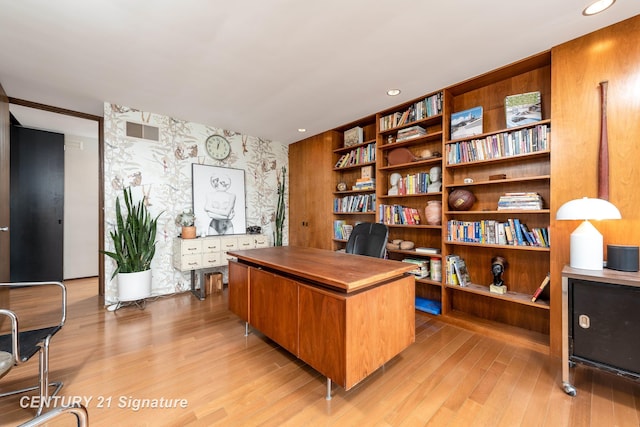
<point x="523" y="108"/>
<point x="543" y="285"/>
<point x="466" y="123"/>
<point x="461" y="272"/>
<point x="353" y="136"/>
<point x="424" y="250"/>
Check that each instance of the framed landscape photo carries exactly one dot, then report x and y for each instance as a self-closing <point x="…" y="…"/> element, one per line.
<point x="353" y="136"/>
<point x="466" y="123"/>
<point x="523" y="108"/>
<point x="218" y="200"/>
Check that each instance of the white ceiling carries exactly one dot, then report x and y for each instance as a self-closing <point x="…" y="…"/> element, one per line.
<point x="268" y="67"/>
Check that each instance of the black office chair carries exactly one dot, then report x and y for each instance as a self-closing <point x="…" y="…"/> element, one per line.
<point x="19" y="346"/>
<point x="368" y="238"/>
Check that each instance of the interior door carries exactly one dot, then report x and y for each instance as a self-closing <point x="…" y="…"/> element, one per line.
<point x="4" y="187"/>
<point x="37" y="205"/>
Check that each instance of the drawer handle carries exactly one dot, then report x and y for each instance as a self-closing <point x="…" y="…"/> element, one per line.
<point x="191" y="249"/>
<point x="192" y="263"/>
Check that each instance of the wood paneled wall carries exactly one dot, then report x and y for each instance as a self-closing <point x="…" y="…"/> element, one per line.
<point x="578" y="66"/>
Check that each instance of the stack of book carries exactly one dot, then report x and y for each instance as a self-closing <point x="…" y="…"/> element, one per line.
<point x="410" y="133"/>
<point x="520" y="201"/>
<point x="421" y="269"/>
<point x="364" y="184"/>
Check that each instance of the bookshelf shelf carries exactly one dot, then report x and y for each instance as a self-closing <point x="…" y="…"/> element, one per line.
<point x="350" y="167"/>
<point x="509" y="247"/>
<point x="434" y="136"/>
<point x="514" y="297"/>
<point x="501" y="181"/>
<point x="432" y="161"/>
<point x="435" y="194"/>
<point x="510" y="212"/>
<point x="343" y="150"/>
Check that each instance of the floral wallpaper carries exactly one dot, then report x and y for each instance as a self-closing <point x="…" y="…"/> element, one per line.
<point x="160" y="172"/>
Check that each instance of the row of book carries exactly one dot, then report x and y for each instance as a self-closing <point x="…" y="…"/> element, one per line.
<point x="520" y="201"/>
<point x="455" y="271"/>
<point x="493" y="232"/>
<point x="416" y="183"/>
<point x="398" y="215"/>
<point x="430" y="106"/>
<point x="358" y="156"/>
<point x="342" y="230"/>
<point x="355" y="203"/>
<point x="505" y="144"/>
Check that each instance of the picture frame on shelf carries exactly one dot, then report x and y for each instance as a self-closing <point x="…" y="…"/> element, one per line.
<point x="466" y="123"/>
<point x="353" y="136"/>
<point x="523" y="109"/>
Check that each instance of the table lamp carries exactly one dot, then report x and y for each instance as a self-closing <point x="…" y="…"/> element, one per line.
<point x="586" y="241"/>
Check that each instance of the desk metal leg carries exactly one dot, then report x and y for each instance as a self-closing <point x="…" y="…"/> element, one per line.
<point x="328" y="397"/>
<point x="200" y="295"/>
<point x="246" y="329"/>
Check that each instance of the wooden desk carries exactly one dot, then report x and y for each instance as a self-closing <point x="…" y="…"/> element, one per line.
<point x="344" y="315"/>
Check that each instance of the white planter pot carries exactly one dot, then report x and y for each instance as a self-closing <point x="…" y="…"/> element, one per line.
<point x="134" y="286"/>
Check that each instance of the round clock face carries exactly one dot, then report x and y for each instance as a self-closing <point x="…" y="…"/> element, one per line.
<point x="218" y="147"/>
<point x="342" y="186"/>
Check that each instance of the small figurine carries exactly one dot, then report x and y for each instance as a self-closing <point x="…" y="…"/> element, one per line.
<point x="498" y="265"/>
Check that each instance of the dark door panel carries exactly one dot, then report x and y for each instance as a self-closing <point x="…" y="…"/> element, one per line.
<point x="37" y="202"/>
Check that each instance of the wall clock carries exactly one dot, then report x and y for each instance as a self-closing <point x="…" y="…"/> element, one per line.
<point x="218" y="147"/>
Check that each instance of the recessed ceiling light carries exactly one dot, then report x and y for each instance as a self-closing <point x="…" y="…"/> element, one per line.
<point x="393" y="92"/>
<point x="597" y="7"/>
<point x="302" y="130"/>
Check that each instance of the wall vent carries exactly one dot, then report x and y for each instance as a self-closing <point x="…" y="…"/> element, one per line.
<point x="138" y="130"/>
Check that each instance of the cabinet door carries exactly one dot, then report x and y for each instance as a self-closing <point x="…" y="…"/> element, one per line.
<point x="322" y="332"/>
<point x="310" y="191"/>
<point x="274" y="307"/>
<point x="604" y="325"/>
<point x="239" y="290"/>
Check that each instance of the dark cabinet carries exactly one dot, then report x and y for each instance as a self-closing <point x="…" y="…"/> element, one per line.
<point x="601" y="320"/>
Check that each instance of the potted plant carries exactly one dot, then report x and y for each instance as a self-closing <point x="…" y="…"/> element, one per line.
<point x="280" y="213"/>
<point x="134" y="241"/>
<point x="187" y="220"/>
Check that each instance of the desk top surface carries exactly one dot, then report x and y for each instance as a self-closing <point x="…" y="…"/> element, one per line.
<point x="346" y="272"/>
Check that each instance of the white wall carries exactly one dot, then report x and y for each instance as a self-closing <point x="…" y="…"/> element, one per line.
<point x="80" y="207"/>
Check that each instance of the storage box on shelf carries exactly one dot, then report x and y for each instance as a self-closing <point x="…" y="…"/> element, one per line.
<point x="354" y="179"/>
<point x="498" y="164"/>
<point x="409" y="146"/>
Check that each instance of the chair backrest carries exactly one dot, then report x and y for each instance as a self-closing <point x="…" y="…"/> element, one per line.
<point x="368" y="238"/>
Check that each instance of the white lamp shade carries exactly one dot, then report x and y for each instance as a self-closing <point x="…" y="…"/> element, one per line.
<point x="586" y="241"/>
<point x="588" y="208"/>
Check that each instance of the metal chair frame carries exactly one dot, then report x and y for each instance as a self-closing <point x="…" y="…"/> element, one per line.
<point x="24" y="344"/>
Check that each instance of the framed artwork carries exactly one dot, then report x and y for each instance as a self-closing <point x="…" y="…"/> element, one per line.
<point x="218" y="200"/>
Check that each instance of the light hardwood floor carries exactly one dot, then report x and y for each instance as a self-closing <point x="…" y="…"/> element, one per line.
<point x="183" y="348"/>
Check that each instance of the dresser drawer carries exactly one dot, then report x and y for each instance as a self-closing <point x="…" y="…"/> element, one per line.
<point x="228" y="243"/>
<point x="210" y="245"/>
<point x="260" y="241"/>
<point x="188" y="262"/>
<point x="213" y="259"/>
<point x="246" y="242"/>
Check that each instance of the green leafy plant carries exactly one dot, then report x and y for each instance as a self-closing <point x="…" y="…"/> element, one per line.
<point x="280" y="209"/>
<point x="134" y="236"/>
<point x="186" y="219"/>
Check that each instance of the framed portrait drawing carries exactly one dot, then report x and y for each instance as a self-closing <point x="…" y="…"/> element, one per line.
<point x="218" y="200"/>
